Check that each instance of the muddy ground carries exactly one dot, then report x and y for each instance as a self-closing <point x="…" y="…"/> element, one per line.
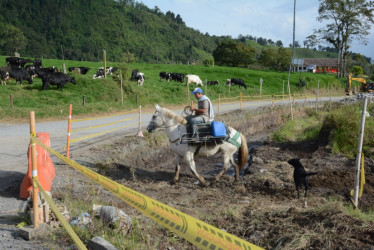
<point x="262" y="208"/>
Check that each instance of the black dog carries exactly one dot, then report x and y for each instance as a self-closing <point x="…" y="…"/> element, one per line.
<point x="300" y="176"/>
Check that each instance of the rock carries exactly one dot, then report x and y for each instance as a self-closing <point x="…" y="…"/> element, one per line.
<point x="115" y="217"/>
<point x="98" y="243"/>
<point x="257" y="236"/>
<point x="257" y="160"/>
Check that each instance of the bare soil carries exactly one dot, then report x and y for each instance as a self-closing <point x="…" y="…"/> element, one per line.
<point x="262" y="208"/>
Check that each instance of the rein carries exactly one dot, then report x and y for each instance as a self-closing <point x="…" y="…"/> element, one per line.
<point x="169" y="126"/>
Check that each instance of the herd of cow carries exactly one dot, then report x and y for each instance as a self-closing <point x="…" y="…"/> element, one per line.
<point x="196" y="79"/>
<point x="22" y="69"/>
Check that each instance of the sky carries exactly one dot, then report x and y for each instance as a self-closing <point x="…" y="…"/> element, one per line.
<point x="270" y="19"/>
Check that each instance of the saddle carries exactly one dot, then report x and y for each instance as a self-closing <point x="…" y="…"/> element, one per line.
<point x="207" y="133"/>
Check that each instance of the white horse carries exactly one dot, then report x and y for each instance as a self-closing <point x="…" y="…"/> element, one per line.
<point x="175" y="127"/>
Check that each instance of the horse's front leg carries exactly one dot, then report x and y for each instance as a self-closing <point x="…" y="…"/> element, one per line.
<point x="190" y="160"/>
<point x="177" y="168"/>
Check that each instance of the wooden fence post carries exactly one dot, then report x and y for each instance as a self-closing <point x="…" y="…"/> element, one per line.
<point x="84" y="100"/>
<point x="140" y="134"/>
<point x="219" y="103"/>
<point x="289" y="98"/>
<point x="64" y="68"/>
<point x="241" y="100"/>
<point x="317" y="93"/>
<point x="120" y="72"/>
<point x="104" y="58"/>
<point x="35" y="190"/>
<point x="69" y="131"/>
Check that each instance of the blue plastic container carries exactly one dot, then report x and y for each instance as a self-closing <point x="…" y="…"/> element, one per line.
<point x="218" y="129"/>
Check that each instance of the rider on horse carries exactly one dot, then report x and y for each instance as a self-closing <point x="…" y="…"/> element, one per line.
<point x="203" y="113"/>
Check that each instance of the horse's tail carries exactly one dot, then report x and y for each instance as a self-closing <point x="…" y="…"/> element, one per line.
<point x="243" y="152"/>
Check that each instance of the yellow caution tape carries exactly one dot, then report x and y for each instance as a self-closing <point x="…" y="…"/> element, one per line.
<point x="95" y="118"/>
<point x="103" y="125"/>
<point x="362" y="174"/>
<point x="197" y="232"/>
<point x="59" y="216"/>
<point x="101" y="133"/>
<point x="22" y="224"/>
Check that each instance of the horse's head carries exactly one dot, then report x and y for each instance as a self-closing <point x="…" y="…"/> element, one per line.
<point x="156" y="121"/>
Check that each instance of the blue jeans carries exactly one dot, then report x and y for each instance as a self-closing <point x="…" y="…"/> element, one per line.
<point x="194" y="119"/>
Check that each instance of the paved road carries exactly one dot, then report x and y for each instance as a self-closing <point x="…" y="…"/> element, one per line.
<point x="14" y="140"/>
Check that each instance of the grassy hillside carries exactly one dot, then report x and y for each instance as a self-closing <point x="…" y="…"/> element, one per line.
<point x="103" y="95"/>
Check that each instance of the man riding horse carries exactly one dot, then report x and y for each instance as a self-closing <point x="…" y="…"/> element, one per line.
<point x="203" y="113"/>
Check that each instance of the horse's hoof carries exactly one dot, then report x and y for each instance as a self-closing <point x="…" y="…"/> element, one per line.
<point x="213" y="182"/>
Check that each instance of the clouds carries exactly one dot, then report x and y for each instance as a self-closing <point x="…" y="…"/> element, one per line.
<point x="271" y="19"/>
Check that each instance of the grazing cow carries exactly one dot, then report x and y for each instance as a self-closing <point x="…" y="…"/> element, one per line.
<point x="212" y="82"/>
<point x="134" y="74"/>
<point x="140" y="78"/>
<point x="100" y="72"/>
<point x="17" y="61"/>
<point x="80" y="70"/>
<point x="4" y="74"/>
<point x="236" y="81"/>
<point x="20" y="74"/>
<point x="43" y="73"/>
<point x="164" y="75"/>
<point x="177" y="77"/>
<point x="37" y="63"/>
<point x="59" y="79"/>
<point x="194" y="79"/>
<point x="31" y="69"/>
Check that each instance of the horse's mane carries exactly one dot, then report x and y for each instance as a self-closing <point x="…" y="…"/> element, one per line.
<point x="179" y="119"/>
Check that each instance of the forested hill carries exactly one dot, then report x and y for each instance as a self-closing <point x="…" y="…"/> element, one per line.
<point x="82" y="29"/>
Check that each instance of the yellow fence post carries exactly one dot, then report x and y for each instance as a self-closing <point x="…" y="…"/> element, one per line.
<point x="69" y="131"/>
<point x="35" y="202"/>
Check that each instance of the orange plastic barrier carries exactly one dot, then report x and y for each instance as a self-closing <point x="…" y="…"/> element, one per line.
<point x="46" y="170"/>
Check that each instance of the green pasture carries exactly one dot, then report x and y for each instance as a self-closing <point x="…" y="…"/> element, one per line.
<point x="104" y="95"/>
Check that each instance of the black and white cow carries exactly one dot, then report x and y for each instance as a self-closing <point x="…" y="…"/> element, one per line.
<point x="59" y="79"/>
<point x="37" y="63"/>
<point x="134" y="75"/>
<point x="177" y="77"/>
<point x="236" y="81"/>
<point x="43" y="73"/>
<point x="20" y="74"/>
<point x="80" y="70"/>
<point x="4" y="74"/>
<point x="17" y="61"/>
<point x="31" y="69"/>
<point x="100" y="72"/>
<point x="164" y="75"/>
<point x="212" y="82"/>
<point x="140" y="78"/>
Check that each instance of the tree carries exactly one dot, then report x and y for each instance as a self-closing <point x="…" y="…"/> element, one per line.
<point x="277" y="59"/>
<point x="350" y="20"/>
<point x="11" y="39"/>
<point x="357" y="70"/>
<point x="279" y="43"/>
<point x="232" y="53"/>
